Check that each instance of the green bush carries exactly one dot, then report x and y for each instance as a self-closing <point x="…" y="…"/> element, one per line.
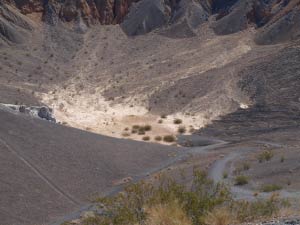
<point x="241" y="180"/>
<point x="271" y="188"/>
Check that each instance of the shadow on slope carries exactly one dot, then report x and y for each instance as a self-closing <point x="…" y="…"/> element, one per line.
<point x="49" y="170"/>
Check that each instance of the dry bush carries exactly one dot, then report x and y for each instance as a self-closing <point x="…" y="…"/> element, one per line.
<point x="220" y="216"/>
<point x="167" y="214"/>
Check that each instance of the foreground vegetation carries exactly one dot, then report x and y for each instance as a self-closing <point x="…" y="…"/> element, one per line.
<point x="170" y="203"/>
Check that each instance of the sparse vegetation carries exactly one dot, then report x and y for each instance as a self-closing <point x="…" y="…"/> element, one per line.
<point x="177" y="121"/>
<point x="170" y="203"/>
<point x="225" y="175"/>
<point x="241" y="180"/>
<point x="169" y="138"/>
<point x="271" y="188"/>
<point x="265" y="156"/>
<point x="282" y="159"/>
<point x="160" y="121"/>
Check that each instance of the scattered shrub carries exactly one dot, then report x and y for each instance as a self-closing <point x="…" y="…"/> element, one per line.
<point x="177" y="121"/>
<point x="146" y="138"/>
<point x="147" y="128"/>
<point x="170" y="213"/>
<point x="169" y="138"/>
<point x="125" y="134"/>
<point x="135" y="127"/>
<point x="265" y="156"/>
<point x="225" y="175"/>
<point x="158" y="138"/>
<point x="282" y="159"/>
<point x="271" y="188"/>
<point x="241" y="180"/>
<point x="160" y="121"/>
<point x="163" y="116"/>
<point x="181" y="130"/>
<point x="220" y="216"/>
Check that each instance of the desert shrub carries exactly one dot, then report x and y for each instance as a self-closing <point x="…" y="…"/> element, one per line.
<point x="163" y="116"/>
<point x="146" y="138"/>
<point x="220" y="216"/>
<point x="177" y="121"/>
<point x="169" y="138"/>
<point x="125" y="134"/>
<point x="282" y="159"/>
<point x="135" y="127"/>
<point x="171" y="213"/>
<point x="160" y="121"/>
<point x="271" y="188"/>
<point x="225" y="175"/>
<point x="181" y="130"/>
<point x="265" y="156"/>
<point x="241" y="180"/>
<point x="158" y="138"/>
<point x="147" y="128"/>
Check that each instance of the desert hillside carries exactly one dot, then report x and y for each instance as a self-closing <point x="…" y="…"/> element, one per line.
<point x="183" y="73"/>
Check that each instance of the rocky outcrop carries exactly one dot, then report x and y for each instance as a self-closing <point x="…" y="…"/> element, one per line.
<point x="181" y="17"/>
<point x="41" y="112"/>
<point x="92" y="11"/>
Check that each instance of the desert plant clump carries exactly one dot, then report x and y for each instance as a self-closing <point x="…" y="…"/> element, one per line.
<point x="125" y="134"/>
<point x="265" y="156"/>
<point x="181" y="130"/>
<point x="158" y="138"/>
<point x="177" y="121"/>
<point x="271" y="188"/>
<point x="225" y="175"/>
<point x="171" y="213"/>
<point x="241" y="180"/>
<point x="147" y="128"/>
<point x="160" y="121"/>
<point x="169" y="138"/>
<point x="146" y="138"/>
<point x="163" y="116"/>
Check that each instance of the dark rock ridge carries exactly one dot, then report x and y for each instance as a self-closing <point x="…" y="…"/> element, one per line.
<point x="142" y="16"/>
<point x="92" y="11"/>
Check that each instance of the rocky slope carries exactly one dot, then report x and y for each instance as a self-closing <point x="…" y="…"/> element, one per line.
<point x="146" y="15"/>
